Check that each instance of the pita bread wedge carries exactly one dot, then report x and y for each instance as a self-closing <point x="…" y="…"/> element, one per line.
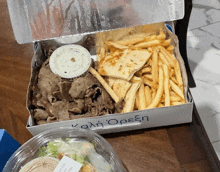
<point x="110" y="81"/>
<point x="120" y="87"/>
<point x="131" y="95"/>
<point x="124" y="65"/>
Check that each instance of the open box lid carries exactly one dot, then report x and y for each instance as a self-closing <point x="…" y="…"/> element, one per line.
<point x="46" y="19"/>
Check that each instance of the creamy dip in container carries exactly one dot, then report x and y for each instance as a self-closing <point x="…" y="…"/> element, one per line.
<point x="42" y="164"/>
<point x="70" y="61"/>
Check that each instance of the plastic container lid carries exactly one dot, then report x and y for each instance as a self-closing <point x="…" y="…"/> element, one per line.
<point x="101" y="155"/>
<point x="70" y="61"/>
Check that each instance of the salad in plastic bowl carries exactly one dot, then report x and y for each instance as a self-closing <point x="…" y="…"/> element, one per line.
<point x="65" y="149"/>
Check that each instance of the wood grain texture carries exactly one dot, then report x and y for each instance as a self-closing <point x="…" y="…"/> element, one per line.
<point x="165" y="149"/>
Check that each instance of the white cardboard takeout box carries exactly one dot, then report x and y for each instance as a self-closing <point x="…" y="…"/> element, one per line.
<point x="41" y="21"/>
<point x="112" y="123"/>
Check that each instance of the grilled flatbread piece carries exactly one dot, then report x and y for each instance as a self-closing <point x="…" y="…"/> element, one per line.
<point x="124" y="64"/>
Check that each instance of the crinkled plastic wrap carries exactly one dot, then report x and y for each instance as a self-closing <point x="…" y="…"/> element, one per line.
<point x="44" y="19"/>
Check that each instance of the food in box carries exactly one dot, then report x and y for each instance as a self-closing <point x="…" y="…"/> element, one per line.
<point x="135" y="69"/>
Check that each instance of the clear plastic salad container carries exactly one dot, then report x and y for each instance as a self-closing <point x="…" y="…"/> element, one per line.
<point x="46" y="150"/>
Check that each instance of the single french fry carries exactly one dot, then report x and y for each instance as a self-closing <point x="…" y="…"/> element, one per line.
<point x="154" y="91"/>
<point x="138" y="73"/>
<point x="133" y="35"/>
<point x="147" y="44"/>
<point x="123" y="42"/>
<point x="160" y="89"/>
<point x="130" y="97"/>
<point x="146" y="70"/>
<point x="164" y="51"/>
<point x="107" y="57"/>
<point x="176" y="89"/>
<point x="166" y="42"/>
<point x="174" y="80"/>
<point x="104" y="84"/>
<point x="173" y="94"/>
<point x="135" y="40"/>
<point x="176" y="103"/>
<point x="102" y="52"/>
<point x="175" y="98"/>
<point x="131" y="41"/>
<point x="148" y="95"/>
<point x="148" y="64"/>
<point x="160" y="63"/>
<point x="168" y="59"/>
<point x="183" y="101"/>
<point x="172" y="72"/>
<point x="147" y="82"/>
<point x="161" y="35"/>
<point x="170" y="51"/>
<point x="142" y="99"/>
<point x="170" y="48"/>
<point x="136" y="79"/>
<point x="118" y="46"/>
<point x="178" y="75"/>
<point x="149" y="49"/>
<point x="160" y="105"/>
<point x="110" y="81"/>
<point x="155" y="67"/>
<point x="150" y="38"/>
<point x="149" y="77"/>
<point x="137" y="104"/>
<point x="166" y="85"/>
<point x="98" y="57"/>
<point x="163" y="59"/>
<point x="162" y="100"/>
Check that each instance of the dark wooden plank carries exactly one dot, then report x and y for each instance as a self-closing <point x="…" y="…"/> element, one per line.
<point x="183" y="141"/>
<point x="143" y="150"/>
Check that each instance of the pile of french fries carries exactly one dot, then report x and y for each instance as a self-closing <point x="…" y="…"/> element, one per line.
<point x="159" y="81"/>
<point x="162" y="81"/>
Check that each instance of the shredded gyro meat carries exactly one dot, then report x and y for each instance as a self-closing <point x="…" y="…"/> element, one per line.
<point x="57" y="99"/>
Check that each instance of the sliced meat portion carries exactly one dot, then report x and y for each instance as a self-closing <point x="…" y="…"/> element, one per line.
<point x="57" y="96"/>
<point x="105" y="100"/>
<point x="41" y="122"/>
<point x="51" y="119"/>
<point x="58" y="99"/>
<point x="77" y="106"/>
<point x="60" y="110"/>
<point x="40" y="114"/>
<point x="47" y="81"/>
<point x="81" y="85"/>
<point x="64" y="90"/>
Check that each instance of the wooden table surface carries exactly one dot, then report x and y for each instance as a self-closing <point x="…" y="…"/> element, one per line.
<point x="164" y="149"/>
